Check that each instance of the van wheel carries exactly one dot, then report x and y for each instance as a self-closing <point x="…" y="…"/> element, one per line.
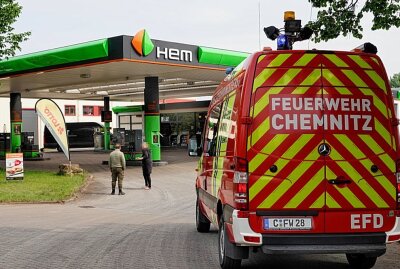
<point x="59" y="149"/>
<point x="361" y="261"/>
<point x="202" y="223"/>
<point x="224" y="261"/>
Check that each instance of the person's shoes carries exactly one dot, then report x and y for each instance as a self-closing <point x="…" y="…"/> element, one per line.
<point x="146" y="188"/>
<point x="113" y="192"/>
<point x="121" y="192"/>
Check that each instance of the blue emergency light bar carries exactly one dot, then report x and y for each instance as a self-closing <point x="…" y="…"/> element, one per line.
<point x="282" y="42"/>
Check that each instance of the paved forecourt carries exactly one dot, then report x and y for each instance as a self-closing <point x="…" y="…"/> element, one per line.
<point x="142" y="229"/>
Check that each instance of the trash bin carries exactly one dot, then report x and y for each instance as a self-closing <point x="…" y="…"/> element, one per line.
<point x="98" y="141"/>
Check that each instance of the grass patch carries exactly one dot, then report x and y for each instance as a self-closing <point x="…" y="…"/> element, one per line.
<point x="39" y="186"/>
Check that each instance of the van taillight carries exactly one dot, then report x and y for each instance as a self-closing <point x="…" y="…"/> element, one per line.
<point x="240" y="181"/>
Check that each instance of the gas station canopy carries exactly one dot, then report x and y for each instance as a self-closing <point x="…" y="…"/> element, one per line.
<point x="116" y="67"/>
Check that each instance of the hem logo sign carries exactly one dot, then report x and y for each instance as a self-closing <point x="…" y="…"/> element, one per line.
<point x="143" y="45"/>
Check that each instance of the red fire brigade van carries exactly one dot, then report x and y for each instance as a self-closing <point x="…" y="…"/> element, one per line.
<point x="300" y="155"/>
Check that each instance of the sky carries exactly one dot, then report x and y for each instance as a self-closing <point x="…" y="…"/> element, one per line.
<point x="225" y="24"/>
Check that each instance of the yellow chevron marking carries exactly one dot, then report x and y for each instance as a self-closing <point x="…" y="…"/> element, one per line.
<point x="288" y="77"/>
<point x="350" y="197"/>
<point x="274" y="143"/>
<point x="383" y="132"/>
<point x="375" y="60"/>
<point x="262" y="57"/>
<point x="349" y="144"/>
<point x="301" y="90"/>
<point x="328" y="75"/>
<point x="314" y="155"/>
<point x="343" y="91"/>
<point x="363" y="184"/>
<point x="330" y="202"/>
<point x="336" y="60"/>
<point x="286" y="184"/>
<point x="345" y="192"/>
<point x="305" y="59"/>
<point x="387" y="185"/>
<point x="274" y="196"/>
<point x="377" y="102"/>
<point x="336" y="156"/>
<point x="264" y="180"/>
<point x="260" y="131"/>
<point x="259" y="185"/>
<point x="297" y="146"/>
<point x="262" y="77"/>
<point x="358" y="60"/>
<point x="354" y="78"/>
<point x="264" y="100"/>
<point x="311" y="78"/>
<point x="377" y="79"/>
<point x="389" y="162"/>
<point x="268" y="149"/>
<point x="281" y="163"/>
<point x="279" y="60"/>
<point x="371" y="143"/>
<point x="307" y="189"/>
<point x="382" y="180"/>
<point x="320" y="202"/>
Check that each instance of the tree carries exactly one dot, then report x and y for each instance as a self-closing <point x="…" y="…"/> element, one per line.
<point x="9" y="41"/>
<point x="395" y="81"/>
<point x="337" y="17"/>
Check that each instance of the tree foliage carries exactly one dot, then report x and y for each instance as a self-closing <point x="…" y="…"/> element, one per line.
<point x="343" y="17"/>
<point x="9" y="41"/>
<point x="395" y="81"/>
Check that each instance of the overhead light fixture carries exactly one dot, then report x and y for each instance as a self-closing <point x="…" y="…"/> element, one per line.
<point x="85" y="76"/>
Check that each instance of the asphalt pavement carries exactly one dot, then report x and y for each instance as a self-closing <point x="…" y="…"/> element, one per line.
<point x="142" y="229"/>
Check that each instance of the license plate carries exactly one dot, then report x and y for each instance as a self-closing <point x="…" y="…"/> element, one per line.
<point x="287" y="224"/>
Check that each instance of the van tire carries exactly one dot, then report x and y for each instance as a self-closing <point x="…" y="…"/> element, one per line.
<point x="224" y="261"/>
<point x="361" y="261"/>
<point x="202" y="223"/>
<point x="59" y="149"/>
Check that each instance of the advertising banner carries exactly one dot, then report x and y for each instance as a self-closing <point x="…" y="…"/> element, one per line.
<point x="52" y="116"/>
<point x="14" y="166"/>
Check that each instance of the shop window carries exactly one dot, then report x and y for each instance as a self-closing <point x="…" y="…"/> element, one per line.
<point x="88" y="110"/>
<point x="69" y="110"/>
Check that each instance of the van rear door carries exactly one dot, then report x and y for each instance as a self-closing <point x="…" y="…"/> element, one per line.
<point x="360" y="165"/>
<point x="321" y="147"/>
<point x="286" y="172"/>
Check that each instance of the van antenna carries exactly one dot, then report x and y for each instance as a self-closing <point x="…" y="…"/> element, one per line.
<point x="259" y="25"/>
<point x="311" y="10"/>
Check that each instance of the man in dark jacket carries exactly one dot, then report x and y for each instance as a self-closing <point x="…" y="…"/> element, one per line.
<point x="147" y="165"/>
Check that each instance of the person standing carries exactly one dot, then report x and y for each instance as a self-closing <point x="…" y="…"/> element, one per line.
<point x="117" y="167"/>
<point x="147" y="165"/>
